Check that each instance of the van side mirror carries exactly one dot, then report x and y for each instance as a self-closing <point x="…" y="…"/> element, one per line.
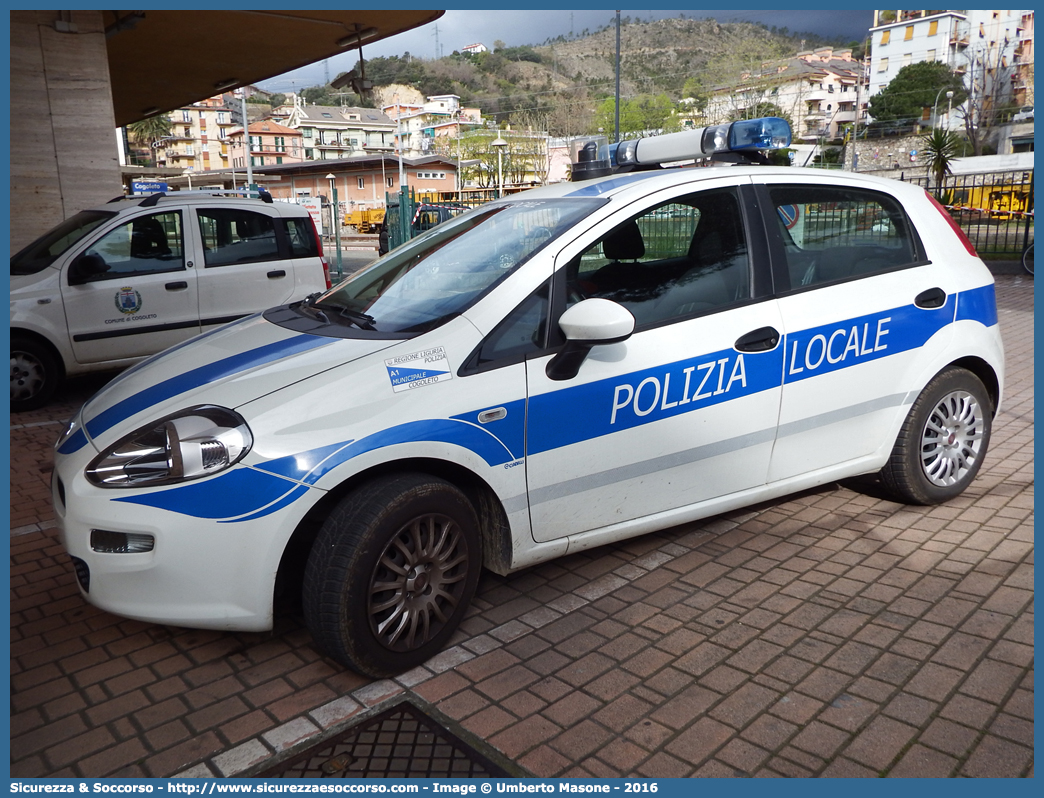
<point x="85" y="268"/>
<point x="586" y="325"/>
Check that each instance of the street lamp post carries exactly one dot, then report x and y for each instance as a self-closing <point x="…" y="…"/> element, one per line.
<point x="458" y="181"/>
<point x="949" y="107"/>
<point x="246" y="142"/>
<point x="935" y="119"/>
<point x="336" y="222"/>
<point x="500" y="144"/>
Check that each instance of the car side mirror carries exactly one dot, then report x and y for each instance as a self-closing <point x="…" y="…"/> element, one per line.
<point x="86" y="267"/>
<point x="586" y="325"/>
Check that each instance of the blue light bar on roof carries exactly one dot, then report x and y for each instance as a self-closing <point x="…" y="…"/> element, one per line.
<point x="766" y="133"/>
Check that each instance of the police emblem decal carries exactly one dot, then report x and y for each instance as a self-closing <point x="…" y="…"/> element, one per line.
<point x="128" y="301"/>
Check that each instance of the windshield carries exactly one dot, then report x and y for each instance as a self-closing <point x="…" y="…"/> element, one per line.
<point x="444" y="271"/>
<point x="49" y="247"/>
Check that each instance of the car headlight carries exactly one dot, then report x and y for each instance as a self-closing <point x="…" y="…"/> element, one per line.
<point x="190" y="444"/>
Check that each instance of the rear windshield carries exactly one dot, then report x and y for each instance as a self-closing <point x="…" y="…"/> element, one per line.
<point x="49" y="247"/>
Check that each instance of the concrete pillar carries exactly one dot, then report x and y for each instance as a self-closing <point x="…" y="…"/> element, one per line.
<point x="63" y="146"/>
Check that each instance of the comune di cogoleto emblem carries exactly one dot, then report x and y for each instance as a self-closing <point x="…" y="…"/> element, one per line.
<point x="128" y="301"/>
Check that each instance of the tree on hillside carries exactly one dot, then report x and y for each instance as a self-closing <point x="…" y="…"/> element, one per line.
<point x="639" y="116"/>
<point x="914" y="89"/>
<point x="148" y="131"/>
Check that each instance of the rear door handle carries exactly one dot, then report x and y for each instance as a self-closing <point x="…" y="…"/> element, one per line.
<point x="930" y="299"/>
<point x="180" y="285"/>
<point x="763" y="339"/>
<point x="276" y="274"/>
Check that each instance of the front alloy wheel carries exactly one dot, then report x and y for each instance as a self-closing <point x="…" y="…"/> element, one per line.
<point x="418" y="582"/>
<point x="392" y="572"/>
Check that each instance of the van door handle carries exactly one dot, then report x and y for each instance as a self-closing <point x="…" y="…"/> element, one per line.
<point x="930" y="299"/>
<point x="180" y="285"/>
<point x="763" y="339"/>
<point x="276" y="274"/>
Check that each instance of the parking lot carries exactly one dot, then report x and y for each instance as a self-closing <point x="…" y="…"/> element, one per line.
<point x="830" y="633"/>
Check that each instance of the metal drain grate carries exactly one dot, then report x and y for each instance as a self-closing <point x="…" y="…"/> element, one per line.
<point x="400" y="742"/>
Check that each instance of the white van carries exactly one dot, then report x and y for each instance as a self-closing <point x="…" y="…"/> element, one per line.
<point x="114" y="284"/>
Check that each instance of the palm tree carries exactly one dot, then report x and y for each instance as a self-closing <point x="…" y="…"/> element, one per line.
<point x="941" y="147"/>
<point x="150" y="130"/>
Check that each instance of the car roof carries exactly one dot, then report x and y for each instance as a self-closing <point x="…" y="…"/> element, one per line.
<point x="645" y="182"/>
<point x="195" y="197"/>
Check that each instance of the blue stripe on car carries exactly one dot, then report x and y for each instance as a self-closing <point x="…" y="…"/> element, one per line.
<point x="978" y="305"/>
<point x="583" y="412"/>
<point x="244" y="494"/>
<point x="75" y="442"/>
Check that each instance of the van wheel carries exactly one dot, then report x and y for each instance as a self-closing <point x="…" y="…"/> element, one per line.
<point x="943" y="440"/>
<point x="34" y="374"/>
<point x="391" y="573"/>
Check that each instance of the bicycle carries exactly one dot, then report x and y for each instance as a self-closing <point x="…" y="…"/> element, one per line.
<point x="1027" y="259"/>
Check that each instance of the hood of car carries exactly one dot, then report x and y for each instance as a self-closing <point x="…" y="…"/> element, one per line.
<point x="228" y="367"/>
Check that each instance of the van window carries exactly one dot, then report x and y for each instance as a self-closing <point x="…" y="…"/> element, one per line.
<point x="231" y="235"/>
<point x="832" y="234"/>
<point x="144" y="245"/>
<point x="302" y="240"/>
<point x="55" y="242"/>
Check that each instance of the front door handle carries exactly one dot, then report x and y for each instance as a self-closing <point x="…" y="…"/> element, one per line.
<point x="275" y="275"/>
<point x="931" y="299"/>
<point x="763" y="339"/>
<point x="180" y="285"/>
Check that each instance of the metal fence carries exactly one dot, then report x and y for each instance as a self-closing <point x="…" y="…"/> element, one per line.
<point x="994" y="210"/>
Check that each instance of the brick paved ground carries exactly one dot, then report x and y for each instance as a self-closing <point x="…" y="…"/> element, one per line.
<point x="832" y="633"/>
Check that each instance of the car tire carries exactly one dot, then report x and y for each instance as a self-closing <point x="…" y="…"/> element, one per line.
<point x="35" y="374"/>
<point x="943" y="440"/>
<point x="392" y="573"/>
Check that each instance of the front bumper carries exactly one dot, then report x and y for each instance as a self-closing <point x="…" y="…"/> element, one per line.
<point x="200" y="572"/>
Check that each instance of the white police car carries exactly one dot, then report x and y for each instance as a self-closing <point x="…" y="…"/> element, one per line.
<point x="560" y="369"/>
<point x="116" y="283"/>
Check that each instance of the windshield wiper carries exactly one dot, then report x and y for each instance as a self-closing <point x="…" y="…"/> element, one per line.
<point x="361" y="320"/>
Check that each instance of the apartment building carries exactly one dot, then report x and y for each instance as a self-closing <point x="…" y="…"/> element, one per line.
<point x="331" y="133"/>
<point x="271" y="144"/>
<point x="992" y="49"/>
<point x="420" y="125"/>
<point x="819" y="90"/>
<point x="1022" y="80"/>
<point x="199" y="137"/>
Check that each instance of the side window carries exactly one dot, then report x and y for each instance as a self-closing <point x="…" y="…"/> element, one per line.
<point x="233" y="236"/>
<point x="678" y="259"/>
<point x="522" y="332"/>
<point x="832" y="234"/>
<point x="302" y="240"/>
<point x="144" y="245"/>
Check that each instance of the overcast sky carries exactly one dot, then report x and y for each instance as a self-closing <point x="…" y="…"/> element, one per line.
<point x="457" y="29"/>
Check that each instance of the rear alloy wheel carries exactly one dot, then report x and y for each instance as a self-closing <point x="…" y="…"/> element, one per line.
<point x="943" y="440"/>
<point x="34" y="374"/>
<point x="392" y="573"/>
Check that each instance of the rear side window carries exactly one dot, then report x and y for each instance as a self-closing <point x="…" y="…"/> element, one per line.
<point x="302" y="240"/>
<point x="231" y="236"/>
<point x="831" y="234"/>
